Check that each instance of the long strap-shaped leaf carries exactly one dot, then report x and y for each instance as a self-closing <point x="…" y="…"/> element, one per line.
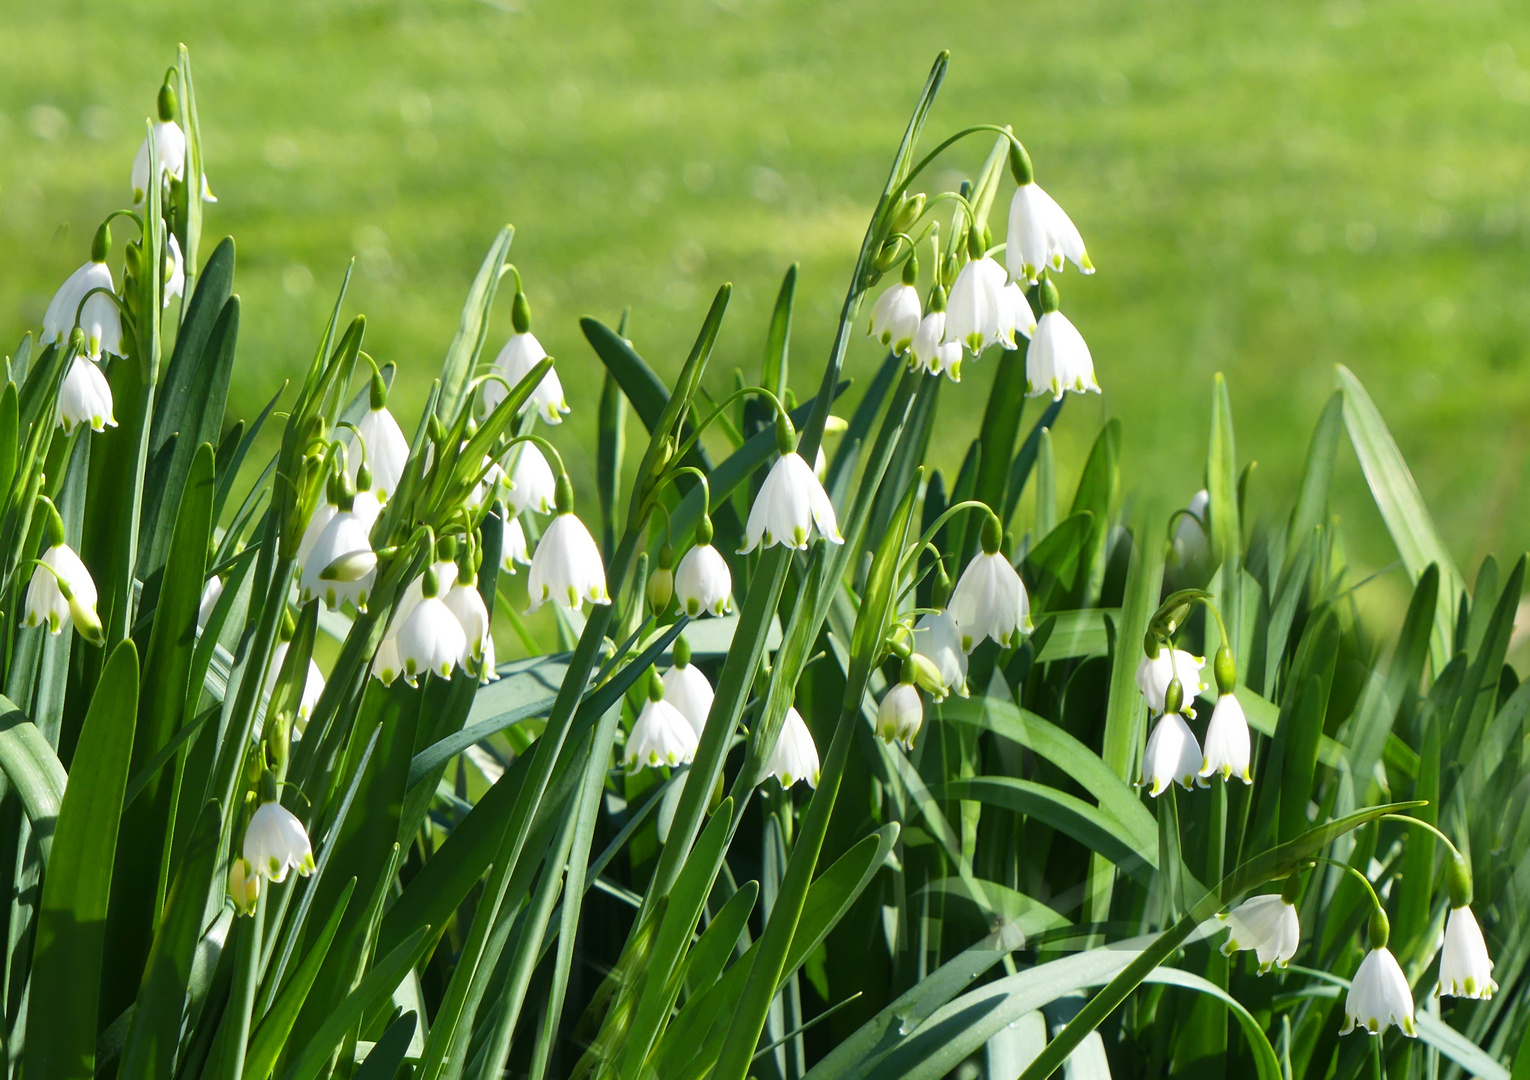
<point x="1402" y="508"/>
<point x="71" y="923"/>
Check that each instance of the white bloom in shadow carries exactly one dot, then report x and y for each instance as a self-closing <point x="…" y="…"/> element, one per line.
<point x="795" y="756"/>
<point x="1466" y="970"/>
<point x="1266" y="924"/>
<point x="276" y="842"/>
<point x="703" y="581"/>
<point x="85" y="398"/>
<point x="660" y="736"/>
<point x="1173" y="756"/>
<point x="900" y="715"/>
<point x="1227" y="741"/>
<point x="990" y="601"/>
<point x="688" y="690"/>
<point x="1154" y="674"/>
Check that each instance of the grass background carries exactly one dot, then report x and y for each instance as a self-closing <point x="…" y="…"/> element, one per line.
<point x="1267" y="189"/>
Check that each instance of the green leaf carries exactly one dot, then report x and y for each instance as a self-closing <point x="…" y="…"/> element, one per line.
<point x="473" y="326"/>
<point x="383" y="1062"/>
<point x="1222" y="479"/>
<point x="142" y="874"/>
<point x="270" y="1038"/>
<point x="71" y="920"/>
<point x="1402" y="508"/>
<point x="374" y="988"/>
<point x="705" y="962"/>
<point x="1055" y="562"/>
<point x="1301" y="753"/>
<point x="1028" y="458"/>
<point x="156" y="1026"/>
<point x="1069" y="815"/>
<point x="1311" y="510"/>
<point x="1115" y="798"/>
<point x="915" y="1005"/>
<point x="611" y="447"/>
<point x="34" y="772"/>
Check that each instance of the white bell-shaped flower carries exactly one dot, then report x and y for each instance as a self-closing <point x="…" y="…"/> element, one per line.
<point x="313" y="684"/>
<point x="688" y="690"/>
<point x="990" y="599"/>
<point x="1154" y="674"/>
<point x="341" y="565"/>
<point x="566" y="567"/>
<point x="515" y="361"/>
<point x="276" y="842"/>
<point x="1466" y="970"/>
<point x="387" y="451"/>
<point x="1266" y="924"/>
<point x="532" y="484"/>
<point x="1015" y="316"/>
<point x="660" y="736"/>
<point x="212" y="592"/>
<point x="972" y="311"/>
<point x="99" y="319"/>
<point x="900" y="715"/>
<point x="85" y="398"/>
<point x="795" y="756"/>
<point x="243" y="886"/>
<point x="1057" y="359"/>
<point x="703" y="581"/>
<point x="446" y="576"/>
<point x="790" y="503"/>
<point x="1040" y="236"/>
<point x="170" y="143"/>
<point x="1379" y="996"/>
<point x="938" y="639"/>
<point x="466" y="603"/>
<point x="1173" y="756"/>
<point x="1227" y="748"/>
<point x="931" y="352"/>
<point x="62" y="589"/>
<point x="512" y="547"/>
<point x="175" y="270"/>
<point x="430" y="640"/>
<point x="895" y="318"/>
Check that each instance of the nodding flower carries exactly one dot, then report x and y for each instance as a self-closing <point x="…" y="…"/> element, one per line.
<point x="795" y="756"/>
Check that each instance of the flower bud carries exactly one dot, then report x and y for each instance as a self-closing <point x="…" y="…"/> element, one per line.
<point x="909" y="209"/>
<point x="887" y="256"/>
<point x="661" y="583"/>
<point x="925" y="675"/>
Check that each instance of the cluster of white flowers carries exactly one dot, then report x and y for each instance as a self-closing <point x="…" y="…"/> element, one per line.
<point x="1170" y="681"/>
<point x="985" y="303"/>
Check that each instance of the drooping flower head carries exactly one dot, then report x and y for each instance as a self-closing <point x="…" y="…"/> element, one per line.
<point x="62" y="588"/>
<point x="243" y="886"/>
<point x="566" y="567"/>
<point x="532" y="484"/>
<point x="1379" y="995"/>
<point x="515" y="361"/>
<point x="430" y="640"/>
<point x="275" y="840"/>
<point x="1466" y="970"/>
<point x="1057" y="359"/>
<point x="790" y="502"/>
<point x="895" y="317"/>
<point x="1040" y="234"/>
<point x="85" y="398"/>
<point x="512" y="546"/>
<point x="795" y="756"/>
<point x="930" y="350"/>
<point x="990" y="599"/>
<point x="901" y="713"/>
<point x="313" y="685"/>
<point x="973" y="308"/>
<point x="687" y="689"/>
<point x="385" y="449"/>
<point x="660" y="734"/>
<point x="938" y="639"/>
<point x="99" y="321"/>
<point x="1173" y="755"/>
<point x="466" y="603"/>
<point x="1228" y="748"/>
<point x="1155" y="673"/>
<point x="703" y="581"/>
<point x="1267" y="924"/>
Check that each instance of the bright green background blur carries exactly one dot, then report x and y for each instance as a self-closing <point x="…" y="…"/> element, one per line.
<point x="1267" y="189"/>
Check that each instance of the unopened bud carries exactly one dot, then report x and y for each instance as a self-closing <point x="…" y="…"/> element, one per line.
<point x="925" y="675"/>
<point x="909" y="209"/>
<point x="352" y="567"/>
<point x="887" y="256"/>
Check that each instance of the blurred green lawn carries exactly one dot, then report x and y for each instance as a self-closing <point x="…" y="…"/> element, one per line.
<point x="1267" y="189"/>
